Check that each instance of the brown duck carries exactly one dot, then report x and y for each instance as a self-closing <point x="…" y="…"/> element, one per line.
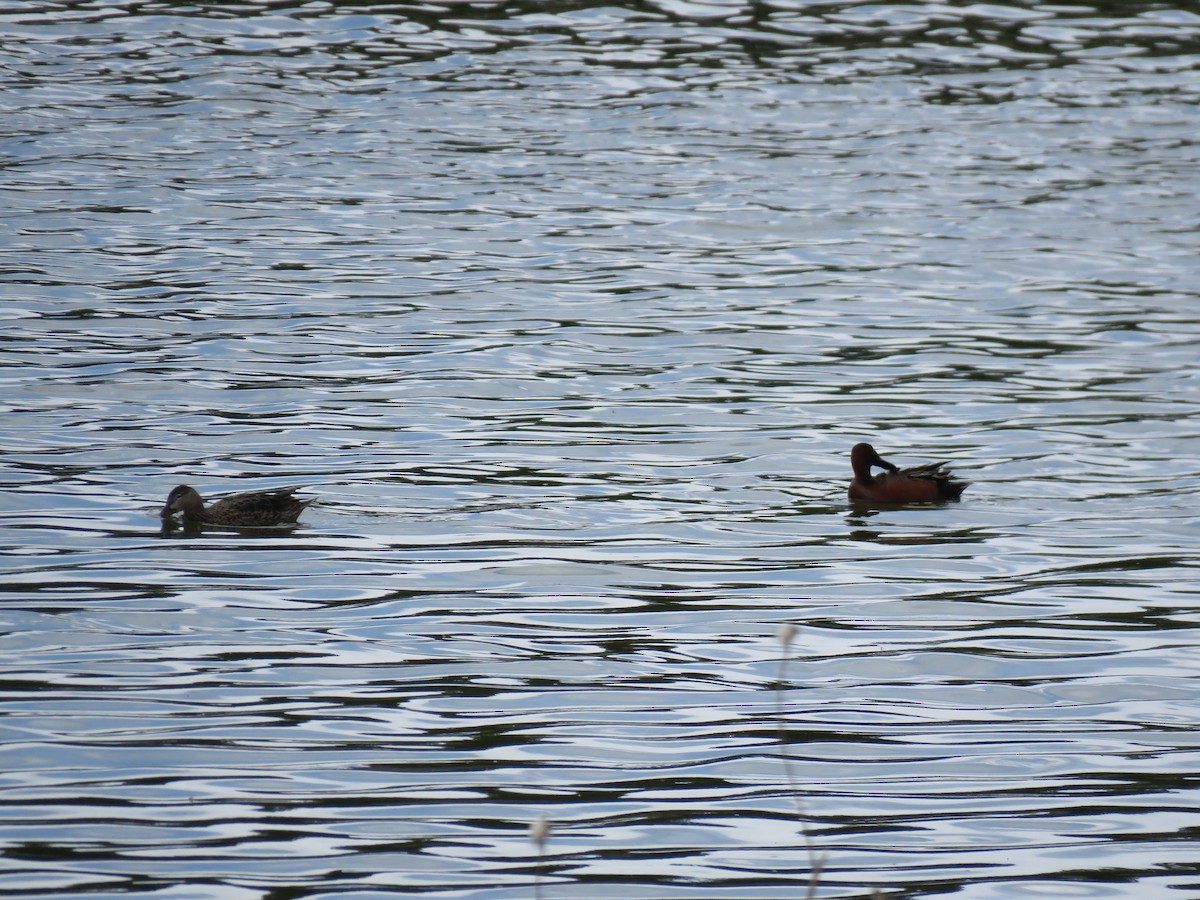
<point x="919" y="484"/>
<point x="253" y="509"/>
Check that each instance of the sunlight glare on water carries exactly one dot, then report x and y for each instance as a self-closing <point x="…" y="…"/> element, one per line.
<point x="567" y="317"/>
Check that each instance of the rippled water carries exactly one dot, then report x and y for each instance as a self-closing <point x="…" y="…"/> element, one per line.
<point x="568" y="316"/>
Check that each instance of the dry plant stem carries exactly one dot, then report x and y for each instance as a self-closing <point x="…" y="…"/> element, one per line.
<point x="816" y="860"/>
<point x="539" y="832"/>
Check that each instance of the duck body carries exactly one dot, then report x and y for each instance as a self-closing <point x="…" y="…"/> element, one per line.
<point x="249" y="510"/>
<point x="930" y="483"/>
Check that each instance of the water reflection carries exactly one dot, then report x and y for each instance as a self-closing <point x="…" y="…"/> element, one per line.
<point x="570" y="317"/>
<point x="190" y="528"/>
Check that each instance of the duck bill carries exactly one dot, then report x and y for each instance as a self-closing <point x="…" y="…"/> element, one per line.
<point x="166" y="513"/>
<point x="884" y="464"/>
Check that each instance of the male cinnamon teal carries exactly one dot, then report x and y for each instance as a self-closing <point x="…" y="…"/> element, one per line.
<point x="257" y="508"/>
<point x="919" y="484"/>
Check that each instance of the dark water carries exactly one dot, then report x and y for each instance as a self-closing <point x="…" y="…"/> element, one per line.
<point x="568" y="316"/>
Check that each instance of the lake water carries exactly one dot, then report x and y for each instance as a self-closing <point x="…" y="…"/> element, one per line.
<point x="568" y="316"/>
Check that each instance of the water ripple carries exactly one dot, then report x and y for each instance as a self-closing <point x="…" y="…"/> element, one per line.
<point x="567" y="318"/>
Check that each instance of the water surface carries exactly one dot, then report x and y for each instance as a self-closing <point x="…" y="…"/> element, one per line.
<point x="568" y="317"/>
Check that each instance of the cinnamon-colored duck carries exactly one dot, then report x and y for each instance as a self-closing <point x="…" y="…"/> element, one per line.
<point x="929" y="483"/>
<point x="254" y="509"/>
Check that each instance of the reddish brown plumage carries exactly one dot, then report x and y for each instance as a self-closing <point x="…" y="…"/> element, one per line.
<point x="929" y="483"/>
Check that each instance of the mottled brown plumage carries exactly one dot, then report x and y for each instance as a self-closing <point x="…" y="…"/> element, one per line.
<point x="254" y="509"/>
<point x="919" y="484"/>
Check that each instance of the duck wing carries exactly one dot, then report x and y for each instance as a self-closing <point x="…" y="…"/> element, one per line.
<point x="934" y="470"/>
<point x="277" y="507"/>
<point x="948" y="486"/>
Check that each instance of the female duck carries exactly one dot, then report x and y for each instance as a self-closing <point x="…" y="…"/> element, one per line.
<point x="254" y="509"/>
<point x="920" y="484"/>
